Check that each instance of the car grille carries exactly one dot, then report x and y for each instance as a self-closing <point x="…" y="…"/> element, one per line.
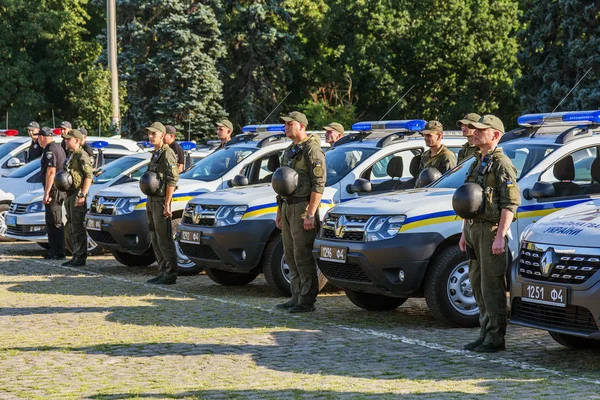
<point x="103" y="205"/>
<point x="23" y="230"/>
<point x="15" y="208"/>
<point x="570" y="317"/>
<point x="101" y="237"/>
<point x="346" y="272"/>
<point x="201" y="251"/>
<point x="564" y="268"/>
<point x="200" y="215"/>
<point x="345" y="227"/>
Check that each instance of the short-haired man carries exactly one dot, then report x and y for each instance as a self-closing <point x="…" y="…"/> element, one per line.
<point x="484" y="238"/>
<point x="52" y="161"/>
<point x="79" y="165"/>
<point x="158" y="208"/>
<point x="468" y="149"/>
<point x="65" y="127"/>
<point x="35" y="149"/>
<point x="85" y="146"/>
<point x="297" y="214"/>
<point x="224" y="131"/>
<point x="333" y="132"/>
<point x="170" y="136"/>
<point x="438" y="156"/>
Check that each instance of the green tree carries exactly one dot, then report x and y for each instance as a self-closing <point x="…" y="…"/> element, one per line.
<point x="169" y="50"/>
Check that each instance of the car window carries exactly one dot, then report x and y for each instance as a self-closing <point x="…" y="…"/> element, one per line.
<point x="138" y="173"/>
<point x="8" y="147"/>
<point x="379" y="169"/>
<point x="113" y="169"/>
<point x="339" y="161"/>
<point x="218" y="163"/>
<point x="25" y="170"/>
<point x="582" y="165"/>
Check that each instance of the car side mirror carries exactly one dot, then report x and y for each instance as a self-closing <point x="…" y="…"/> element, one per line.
<point x="14" y="163"/>
<point x="238" y="180"/>
<point x="540" y="190"/>
<point x="360" y="186"/>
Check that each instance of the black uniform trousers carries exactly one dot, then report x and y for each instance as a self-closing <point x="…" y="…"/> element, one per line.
<point x="55" y="227"/>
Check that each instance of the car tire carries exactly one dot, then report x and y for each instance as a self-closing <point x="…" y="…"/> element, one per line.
<point x="276" y="270"/>
<point x="448" y="290"/>
<point x="374" y="302"/>
<point x="185" y="266"/>
<point x="3" y="211"/>
<point x="574" y="342"/>
<point x="227" y="278"/>
<point x="134" y="260"/>
<point x="93" y="248"/>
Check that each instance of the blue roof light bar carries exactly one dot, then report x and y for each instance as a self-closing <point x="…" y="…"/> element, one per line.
<point x="560" y="118"/>
<point x="98" y="144"/>
<point x="145" y="144"/>
<point x="411" y="125"/>
<point x="264" y="128"/>
<point x="186" y="146"/>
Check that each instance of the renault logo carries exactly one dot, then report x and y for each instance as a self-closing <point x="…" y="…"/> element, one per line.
<point x="340" y="227"/>
<point x="547" y="262"/>
<point x="197" y="215"/>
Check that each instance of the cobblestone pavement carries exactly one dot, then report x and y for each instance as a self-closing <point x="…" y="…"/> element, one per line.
<point x="100" y="332"/>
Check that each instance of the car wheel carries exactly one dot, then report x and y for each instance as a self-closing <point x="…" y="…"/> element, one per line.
<point x="374" y="302"/>
<point x="227" y="278"/>
<point x="448" y="290"/>
<point x="3" y="227"/>
<point x="277" y="271"/>
<point x="134" y="260"/>
<point x="184" y="264"/>
<point x="574" y="342"/>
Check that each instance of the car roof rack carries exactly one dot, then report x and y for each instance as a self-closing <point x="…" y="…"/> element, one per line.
<point x="577" y="132"/>
<point x="271" y="139"/>
<point x="353" y="137"/>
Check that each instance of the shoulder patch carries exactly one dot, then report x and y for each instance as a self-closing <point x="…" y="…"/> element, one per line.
<point x="49" y="156"/>
<point x="318" y="169"/>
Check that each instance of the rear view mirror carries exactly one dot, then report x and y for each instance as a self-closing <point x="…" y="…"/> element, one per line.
<point x="360" y="186"/>
<point x="14" y="163"/>
<point x="238" y="180"/>
<point x="540" y="190"/>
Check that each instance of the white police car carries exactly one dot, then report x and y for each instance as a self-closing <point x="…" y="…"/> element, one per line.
<point x="232" y="232"/>
<point x="555" y="283"/>
<point x="384" y="249"/>
<point x="118" y="215"/>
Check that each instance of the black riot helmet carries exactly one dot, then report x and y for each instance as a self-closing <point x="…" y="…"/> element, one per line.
<point x="149" y="183"/>
<point x="284" y="181"/>
<point x="427" y="176"/>
<point x="467" y="200"/>
<point x="63" y="181"/>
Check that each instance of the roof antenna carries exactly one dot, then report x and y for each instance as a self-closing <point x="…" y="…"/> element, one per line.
<point x="395" y="104"/>
<point x="562" y="101"/>
<point x="276" y="107"/>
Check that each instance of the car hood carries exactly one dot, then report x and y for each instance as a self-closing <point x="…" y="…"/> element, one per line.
<point x="577" y="226"/>
<point x="243" y="195"/>
<point x="132" y="189"/>
<point x="30" y="197"/>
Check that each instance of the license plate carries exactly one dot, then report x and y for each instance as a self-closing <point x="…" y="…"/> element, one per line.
<point x="190" y="237"/>
<point x="11" y="220"/>
<point x="335" y="254"/>
<point x="545" y="294"/>
<point x="94" y="224"/>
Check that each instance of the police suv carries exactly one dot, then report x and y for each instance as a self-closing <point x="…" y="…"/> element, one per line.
<point x="232" y="232"/>
<point x="117" y="218"/>
<point x="555" y="283"/>
<point x="384" y="249"/>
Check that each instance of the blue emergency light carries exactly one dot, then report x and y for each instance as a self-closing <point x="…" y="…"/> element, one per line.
<point x="187" y="145"/>
<point x="264" y="128"/>
<point x="411" y="125"/>
<point x="565" y="117"/>
<point x="145" y="144"/>
<point x="99" y="144"/>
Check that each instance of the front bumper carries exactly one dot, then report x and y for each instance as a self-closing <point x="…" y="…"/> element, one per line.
<point x="29" y="227"/>
<point x="580" y="318"/>
<point x="128" y="233"/>
<point x="235" y="248"/>
<point x="374" y="267"/>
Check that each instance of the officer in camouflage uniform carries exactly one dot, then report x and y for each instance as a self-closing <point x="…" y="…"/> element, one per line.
<point x="79" y="165"/>
<point x="438" y="156"/>
<point x="158" y="208"/>
<point x="484" y="238"/>
<point x="468" y="149"/>
<point x="297" y="215"/>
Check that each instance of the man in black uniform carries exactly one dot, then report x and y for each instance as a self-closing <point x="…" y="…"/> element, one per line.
<point x="53" y="160"/>
<point x="170" y="137"/>
<point x="35" y="149"/>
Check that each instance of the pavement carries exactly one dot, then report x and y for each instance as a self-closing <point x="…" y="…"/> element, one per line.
<point x="101" y="332"/>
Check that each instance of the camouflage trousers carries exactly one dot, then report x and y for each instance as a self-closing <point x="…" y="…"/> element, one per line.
<point x="161" y="233"/>
<point x="487" y="273"/>
<point x="297" y="249"/>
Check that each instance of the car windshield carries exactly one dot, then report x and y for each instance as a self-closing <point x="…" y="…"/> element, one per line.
<point x="218" y="163"/>
<point x="343" y="159"/>
<point x="25" y="170"/>
<point x="523" y="156"/>
<point x="114" y="169"/>
<point x="8" y="147"/>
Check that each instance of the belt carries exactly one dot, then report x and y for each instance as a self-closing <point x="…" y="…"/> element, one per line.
<point x="294" y="200"/>
<point x="479" y="221"/>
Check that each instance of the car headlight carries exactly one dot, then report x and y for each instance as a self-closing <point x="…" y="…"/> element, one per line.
<point x="126" y="205"/>
<point x="35" y="207"/>
<point x="384" y="227"/>
<point x="229" y="215"/>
